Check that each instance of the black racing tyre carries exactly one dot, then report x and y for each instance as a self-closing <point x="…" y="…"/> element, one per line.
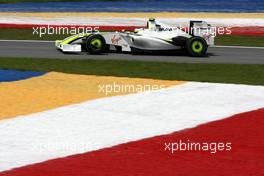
<point x="196" y="46"/>
<point x="107" y="48"/>
<point x="118" y="49"/>
<point x="95" y="44"/>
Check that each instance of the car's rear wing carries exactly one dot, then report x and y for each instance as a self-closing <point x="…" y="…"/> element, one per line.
<point x="202" y="29"/>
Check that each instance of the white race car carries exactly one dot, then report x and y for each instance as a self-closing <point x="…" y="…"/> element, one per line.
<point x="156" y="38"/>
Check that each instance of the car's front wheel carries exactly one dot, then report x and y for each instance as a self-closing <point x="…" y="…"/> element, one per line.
<point x="196" y="46"/>
<point x="95" y="44"/>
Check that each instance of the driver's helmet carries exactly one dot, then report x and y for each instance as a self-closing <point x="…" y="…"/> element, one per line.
<point x="151" y="25"/>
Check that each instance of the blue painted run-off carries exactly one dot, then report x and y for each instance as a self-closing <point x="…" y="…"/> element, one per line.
<point x="15" y="75"/>
<point x="138" y="6"/>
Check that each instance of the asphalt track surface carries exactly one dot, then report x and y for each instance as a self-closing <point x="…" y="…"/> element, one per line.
<point x="38" y="49"/>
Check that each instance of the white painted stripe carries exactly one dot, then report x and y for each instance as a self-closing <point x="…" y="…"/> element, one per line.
<point x="235" y="22"/>
<point x="68" y="20"/>
<point x="110" y="121"/>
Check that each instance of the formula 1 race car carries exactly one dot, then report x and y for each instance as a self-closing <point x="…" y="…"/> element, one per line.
<point x="155" y="38"/>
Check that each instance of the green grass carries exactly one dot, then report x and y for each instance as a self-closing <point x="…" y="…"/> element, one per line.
<point x="220" y="73"/>
<point x="27" y="34"/>
<point x="240" y="40"/>
<point x="15" y="1"/>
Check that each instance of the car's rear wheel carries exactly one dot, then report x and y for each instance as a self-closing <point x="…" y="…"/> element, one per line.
<point x="95" y="44"/>
<point x="196" y="46"/>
